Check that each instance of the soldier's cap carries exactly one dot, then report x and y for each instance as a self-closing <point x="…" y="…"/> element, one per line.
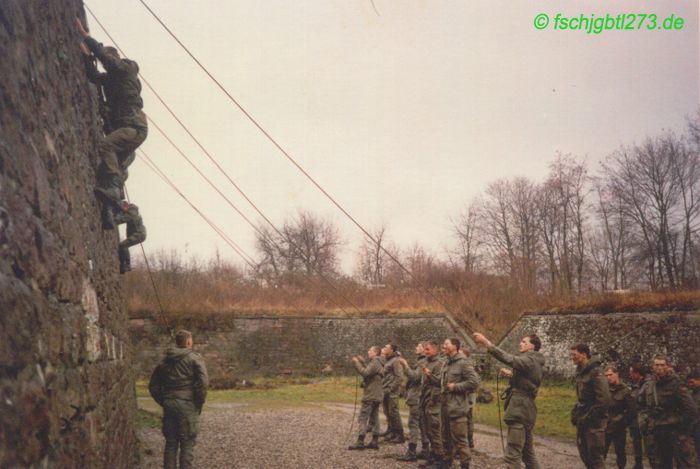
<point x="694" y="374"/>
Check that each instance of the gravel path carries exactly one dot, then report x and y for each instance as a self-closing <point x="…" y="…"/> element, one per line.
<point x="314" y="436"/>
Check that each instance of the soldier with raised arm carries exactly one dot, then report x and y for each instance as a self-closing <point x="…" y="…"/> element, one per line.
<point x="372" y="395"/>
<point x="525" y="378"/>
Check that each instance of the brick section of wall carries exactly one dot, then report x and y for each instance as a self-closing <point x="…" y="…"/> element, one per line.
<point x="243" y="346"/>
<point x="618" y="337"/>
<point x="66" y="386"/>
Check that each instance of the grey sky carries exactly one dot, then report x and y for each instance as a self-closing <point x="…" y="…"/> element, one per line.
<point x="403" y="117"/>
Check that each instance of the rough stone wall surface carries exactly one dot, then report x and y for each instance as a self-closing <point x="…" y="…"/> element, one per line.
<point x="243" y="346"/>
<point x="618" y="338"/>
<point x="66" y="387"/>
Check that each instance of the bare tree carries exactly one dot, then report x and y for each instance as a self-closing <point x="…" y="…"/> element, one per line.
<point x="468" y="250"/>
<point x="305" y="245"/>
<point x="373" y="262"/>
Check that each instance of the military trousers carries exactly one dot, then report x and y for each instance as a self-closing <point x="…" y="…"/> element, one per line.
<point x="666" y="446"/>
<point x="432" y="422"/>
<point x="368" y="420"/>
<point x="618" y="439"/>
<point x="393" y="417"/>
<point x="415" y="426"/>
<point x="470" y="425"/>
<point x="180" y="424"/>
<point x="117" y="148"/>
<point x="454" y="438"/>
<point x="520" y="447"/>
<point x="591" y="446"/>
<point x="124" y="256"/>
<point x="636" y="437"/>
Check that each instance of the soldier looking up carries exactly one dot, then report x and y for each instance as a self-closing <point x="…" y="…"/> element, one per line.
<point x="590" y="414"/>
<point x="126" y="125"/>
<point x="415" y="426"/>
<point x="135" y="233"/>
<point x="520" y="409"/>
<point x="179" y="385"/>
<point x="621" y="413"/>
<point x="457" y="381"/>
<point x="431" y="404"/>
<point x="372" y="395"/>
<point x="392" y="381"/>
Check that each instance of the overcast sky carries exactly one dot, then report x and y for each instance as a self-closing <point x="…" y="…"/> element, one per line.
<point x="403" y="114"/>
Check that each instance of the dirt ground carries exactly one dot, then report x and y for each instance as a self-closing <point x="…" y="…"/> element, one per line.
<point x="236" y="436"/>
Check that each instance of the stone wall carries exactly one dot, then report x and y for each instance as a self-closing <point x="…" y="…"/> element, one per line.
<point x="618" y="337"/>
<point x="66" y="387"/>
<point x="240" y="346"/>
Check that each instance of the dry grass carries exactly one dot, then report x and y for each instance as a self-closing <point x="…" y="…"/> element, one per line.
<point x="481" y="302"/>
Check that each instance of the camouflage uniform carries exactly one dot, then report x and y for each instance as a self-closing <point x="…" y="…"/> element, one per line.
<point x="372" y="395"/>
<point x="392" y="381"/>
<point x="179" y="385"/>
<point x="667" y="412"/>
<point x="520" y="409"/>
<point x="126" y="123"/>
<point x="459" y="371"/>
<point x="135" y="234"/>
<point x="621" y="412"/>
<point x="590" y="414"/>
<point x="430" y="404"/>
<point x="635" y="434"/>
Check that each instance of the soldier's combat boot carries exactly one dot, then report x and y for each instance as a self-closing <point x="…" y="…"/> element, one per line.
<point x="359" y="444"/>
<point x="471" y="443"/>
<point x="374" y="444"/>
<point x="410" y="453"/>
<point x="396" y="439"/>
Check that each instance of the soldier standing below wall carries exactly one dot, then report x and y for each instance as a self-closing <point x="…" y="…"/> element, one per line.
<point x="520" y="409"/>
<point x="694" y="385"/>
<point x="127" y="124"/>
<point x="392" y="381"/>
<point x="639" y="373"/>
<point x="590" y="414"/>
<point x="458" y="380"/>
<point x="135" y="233"/>
<point x="372" y="395"/>
<point x="620" y="413"/>
<point x="179" y="385"/>
<point x="667" y="414"/>
<point x="431" y="405"/>
<point x="415" y="427"/>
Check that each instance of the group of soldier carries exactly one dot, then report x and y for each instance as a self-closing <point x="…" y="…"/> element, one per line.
<point x="125" y="128"/>
<point x="439" y="394"/>
<point x="659" y="410"/>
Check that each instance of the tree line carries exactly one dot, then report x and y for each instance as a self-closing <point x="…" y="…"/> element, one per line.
<point x="630" y="224"/>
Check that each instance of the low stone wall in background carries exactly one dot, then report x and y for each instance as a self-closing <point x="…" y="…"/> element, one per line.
<point x="619" y="337"/>
<point x="240" y="346"/>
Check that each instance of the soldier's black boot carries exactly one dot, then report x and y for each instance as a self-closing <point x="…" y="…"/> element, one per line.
<point x="374" y="444"/>
<point x="359" y="444"/>
<point x="410" y="454"/>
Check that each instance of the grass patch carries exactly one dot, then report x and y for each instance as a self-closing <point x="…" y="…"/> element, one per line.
<point x="147" y="419"/>
<point x="553" y="402"/>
